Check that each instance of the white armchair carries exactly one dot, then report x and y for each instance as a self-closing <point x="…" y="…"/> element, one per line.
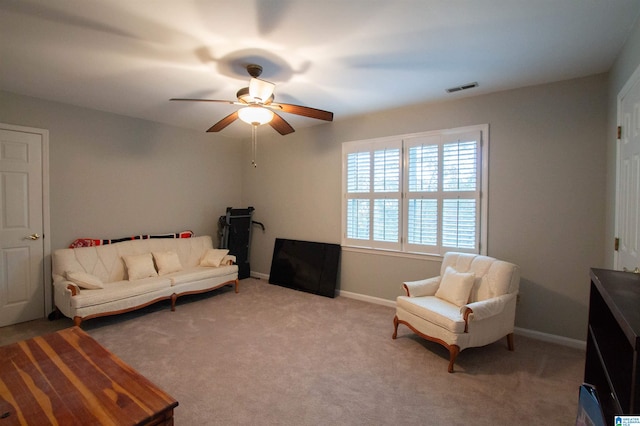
<point x="472" y="303"/>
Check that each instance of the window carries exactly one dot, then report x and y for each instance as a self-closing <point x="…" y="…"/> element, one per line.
<point x="422" y="193"/>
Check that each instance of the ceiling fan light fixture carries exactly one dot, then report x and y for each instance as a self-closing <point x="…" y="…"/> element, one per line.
<point x="255" y="115"/>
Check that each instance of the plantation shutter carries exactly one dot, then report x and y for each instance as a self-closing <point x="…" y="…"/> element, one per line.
<point x="423" y="203"/>
<point x="460" y="187"/>
<point x="373" y="195"/>
<point x="443" y="192"/>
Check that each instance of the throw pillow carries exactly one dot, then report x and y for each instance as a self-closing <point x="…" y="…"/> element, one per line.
<point x="455" y="286"/>
<point x="140" y="266"/>
<point x="84" y="280"/>
<point x="167" y="262"/>
<point x="213" y="257"/>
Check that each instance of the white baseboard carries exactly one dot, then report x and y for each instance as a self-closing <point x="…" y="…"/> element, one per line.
<point x="365" y="298"/>
<point x="259" y="275"/>
<point x="552" y="338"/>
<point x="538" y="335"/>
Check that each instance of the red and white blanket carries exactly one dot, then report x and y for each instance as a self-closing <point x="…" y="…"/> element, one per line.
<point x="91" y="242"/>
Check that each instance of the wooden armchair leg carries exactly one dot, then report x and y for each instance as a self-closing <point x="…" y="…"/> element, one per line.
<point x="510" y="342"/>
<point x="395" y="327"/>
<point x="454" y="350"/>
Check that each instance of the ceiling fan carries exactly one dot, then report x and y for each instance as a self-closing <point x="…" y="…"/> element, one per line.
<point x="259" y="108"/>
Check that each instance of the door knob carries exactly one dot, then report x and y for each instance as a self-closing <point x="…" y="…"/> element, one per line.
<point x="33" y="237"/>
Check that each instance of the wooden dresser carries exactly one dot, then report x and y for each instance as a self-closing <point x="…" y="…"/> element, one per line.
<point x="613" y="342"/>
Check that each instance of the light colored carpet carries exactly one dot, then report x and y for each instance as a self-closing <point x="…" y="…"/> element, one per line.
<point x="275" y="356"/>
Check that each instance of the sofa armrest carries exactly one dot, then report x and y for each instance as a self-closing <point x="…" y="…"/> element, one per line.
<point x="65" y="286"/>
<point x="73" y="288"/>
<point x="421" y="288"/>
<point x="65" y="289"/>
<point x="486" y="308"/>
<point x="229" y="259"/>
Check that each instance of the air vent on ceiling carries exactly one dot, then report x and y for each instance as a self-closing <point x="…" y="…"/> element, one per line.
<point x="463" y="87"/>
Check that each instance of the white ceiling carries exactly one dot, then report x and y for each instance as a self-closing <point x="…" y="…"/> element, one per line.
<point x="347" y="56"/>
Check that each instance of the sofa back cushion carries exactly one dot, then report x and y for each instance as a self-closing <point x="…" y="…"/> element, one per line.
<point x="106" y="263"/>
<point x="493" y="277"/>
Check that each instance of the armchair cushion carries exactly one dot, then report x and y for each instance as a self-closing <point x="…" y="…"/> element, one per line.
<point x="434" y="310"/>
<point x="455" y="286"/>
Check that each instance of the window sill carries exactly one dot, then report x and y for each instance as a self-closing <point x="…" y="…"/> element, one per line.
<point x="392" y="253"/>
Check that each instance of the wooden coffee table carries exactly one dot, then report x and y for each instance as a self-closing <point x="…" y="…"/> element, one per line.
<point x="68" y="378"/>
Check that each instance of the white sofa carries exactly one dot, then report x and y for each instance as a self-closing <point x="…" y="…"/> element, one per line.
<point x="110" y="279"/>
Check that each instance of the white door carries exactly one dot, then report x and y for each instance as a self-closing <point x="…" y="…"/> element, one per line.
<point x="628" y="206"/>
<point x="22" y="270"/>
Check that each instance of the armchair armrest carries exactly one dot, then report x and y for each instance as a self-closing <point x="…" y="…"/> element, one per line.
<point x="486" y="308"/>
<point x="420" y="288"/>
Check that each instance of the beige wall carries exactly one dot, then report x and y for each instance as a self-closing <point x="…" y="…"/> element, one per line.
<point x="113" y="176"/>
<point x="546" y="201"/>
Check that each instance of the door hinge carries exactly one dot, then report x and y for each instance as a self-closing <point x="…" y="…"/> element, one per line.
<point x="616" y="244"/>
<point x="619" y="132"/>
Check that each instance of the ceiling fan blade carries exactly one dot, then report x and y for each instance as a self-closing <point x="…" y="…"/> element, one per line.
<point x="205" y="100"/>
<point x="280" y="125"/>
<point x="261" y="90"/>
<point x="306" y="111"/>
<point x="224" y="122"/>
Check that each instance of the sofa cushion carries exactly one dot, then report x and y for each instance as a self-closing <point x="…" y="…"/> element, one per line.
<point x="167" y="262"/>
<point x="435" y="310"/>
<point x="200" y="273"/>
<point x="84" y="280"/>
<point x="213" y="257"/>
<point x="455" y="286"/>
<point x="140" y="266"/>
<point x="118" y="291"/>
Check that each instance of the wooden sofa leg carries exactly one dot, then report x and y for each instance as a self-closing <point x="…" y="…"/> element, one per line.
<point x="77" y="321"/>
<point x="395" y="327"/>
<point x="510" y="342"/>
<point x="174" y="297"/>
<point x="454" y="350"/>
<point x="237" y="286"/>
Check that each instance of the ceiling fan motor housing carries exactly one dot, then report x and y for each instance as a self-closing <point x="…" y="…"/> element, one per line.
<point x="254" y="70"/>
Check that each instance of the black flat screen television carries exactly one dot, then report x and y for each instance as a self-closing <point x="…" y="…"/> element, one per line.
<point x="306" y="266"/>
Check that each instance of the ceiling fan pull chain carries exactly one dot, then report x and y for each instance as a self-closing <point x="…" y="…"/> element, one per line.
<point x="254" y="144"/>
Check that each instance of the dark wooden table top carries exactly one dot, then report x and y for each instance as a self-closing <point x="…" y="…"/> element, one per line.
<point x="68" y="378"/>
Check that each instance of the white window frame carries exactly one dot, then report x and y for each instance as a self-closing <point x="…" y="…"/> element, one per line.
<point x="401" y="247"/>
